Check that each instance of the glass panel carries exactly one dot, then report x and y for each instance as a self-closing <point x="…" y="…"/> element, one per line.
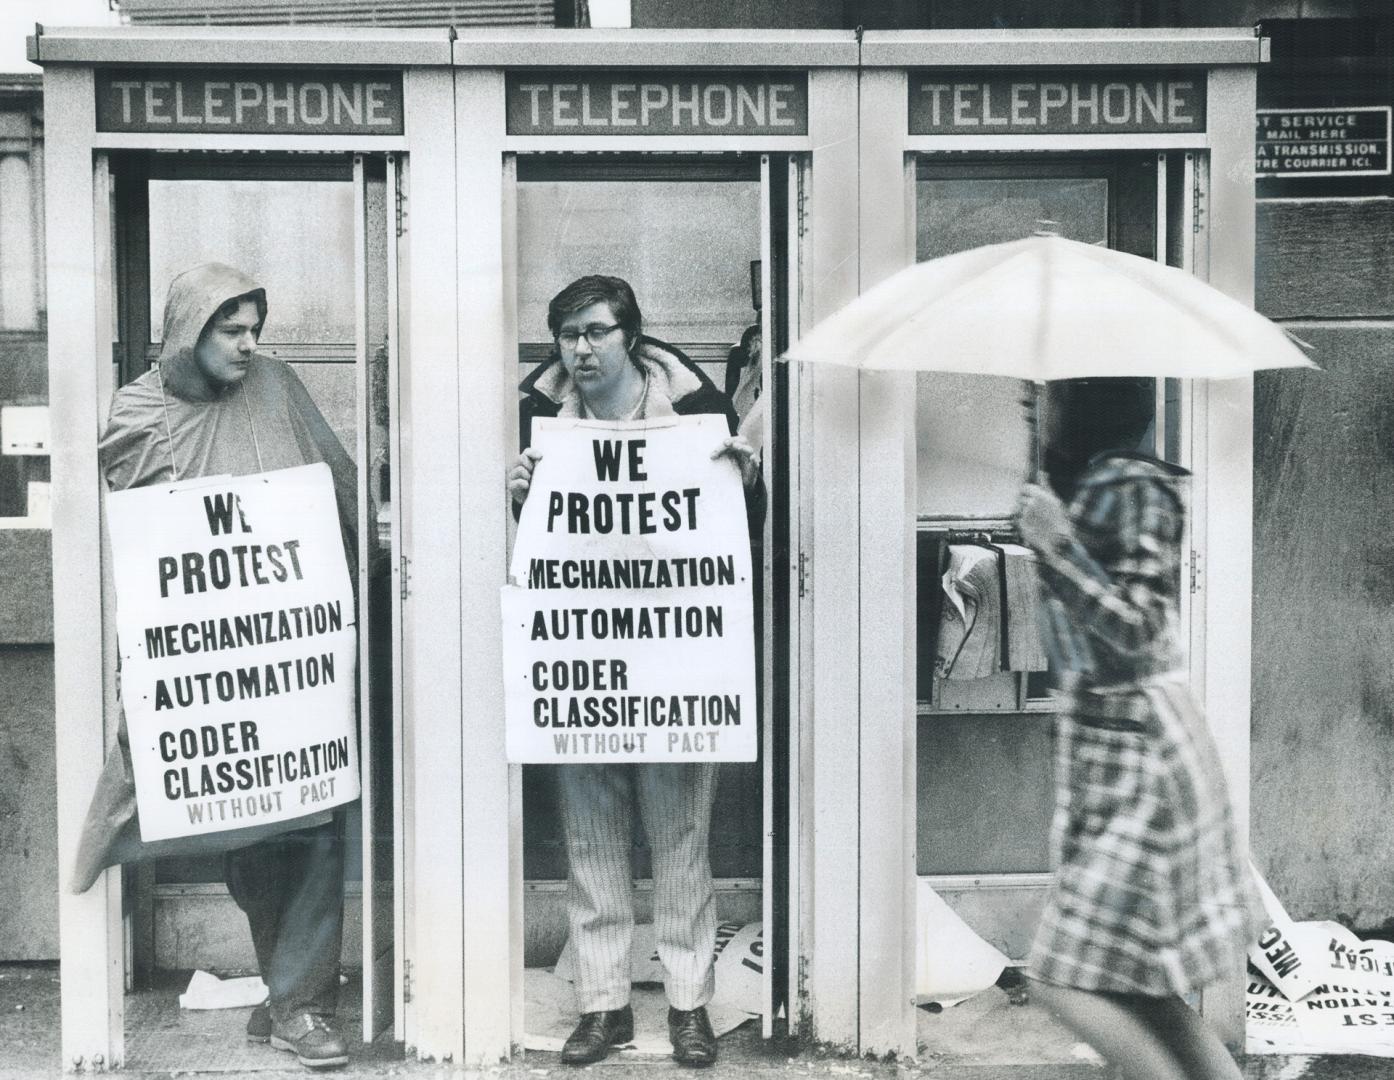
<point x="973" y="439"/>
<point x="972" y="442"/>
<point x="281" y="232"/>
<point x="685" y="246"/>
<point x="984" y="779"/>
<point x="25" y="442"/>
<point x="955" y="215"/>
<point x="19" y="271"/>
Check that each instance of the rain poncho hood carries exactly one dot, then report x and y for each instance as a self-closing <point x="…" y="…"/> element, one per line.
<point x="195" y="297"/>
<point x="265" y="421"/>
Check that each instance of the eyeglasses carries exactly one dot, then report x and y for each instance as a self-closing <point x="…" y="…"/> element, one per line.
<point x="595" y="334"/>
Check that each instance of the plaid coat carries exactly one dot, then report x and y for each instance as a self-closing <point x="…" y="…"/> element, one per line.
<point x="1151" y="893"/>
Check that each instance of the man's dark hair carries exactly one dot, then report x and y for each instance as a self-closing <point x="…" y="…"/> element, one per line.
<point x="228" y="308"/>
<point x="594" y="289"/>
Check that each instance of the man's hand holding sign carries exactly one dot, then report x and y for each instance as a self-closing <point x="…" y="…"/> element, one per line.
<point x="629" y="633"/>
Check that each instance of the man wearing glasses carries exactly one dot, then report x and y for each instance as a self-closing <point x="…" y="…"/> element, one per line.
<point x="606" y="369"/>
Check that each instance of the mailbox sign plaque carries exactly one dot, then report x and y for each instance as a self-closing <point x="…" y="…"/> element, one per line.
<point x="1350" y="140"/>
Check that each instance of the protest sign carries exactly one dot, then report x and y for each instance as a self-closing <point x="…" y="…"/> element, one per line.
<point x="951" y="961"/>
<point x="629" y="629"/>
<point x="740" y="967"/>
<point x="1269" y="1020"/>
<point x="1335" y="1018"/>
<point x="1275" y="952"/>
<point x="1316" y="988"/>
<point x="235" y="619"/>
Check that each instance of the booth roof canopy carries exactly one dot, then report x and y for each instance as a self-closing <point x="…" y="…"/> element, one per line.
<point x="536" y="47"/>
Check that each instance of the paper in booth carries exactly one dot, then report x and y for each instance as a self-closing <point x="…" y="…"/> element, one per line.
<point x="628" y="628"/>
<point x="1283" y="951"/>
<point x="235" y="623"/>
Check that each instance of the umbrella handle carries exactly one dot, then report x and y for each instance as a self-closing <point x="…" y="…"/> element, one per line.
<point x="1035" y="403"/>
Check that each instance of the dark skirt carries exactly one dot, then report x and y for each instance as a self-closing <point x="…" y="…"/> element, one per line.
<point x="1152" y="893"/>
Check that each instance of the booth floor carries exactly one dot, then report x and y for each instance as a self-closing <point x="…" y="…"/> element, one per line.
<point x="987" y="1029"/>
<point x="996" y="1027"/>
<point x="163" y="1039"/>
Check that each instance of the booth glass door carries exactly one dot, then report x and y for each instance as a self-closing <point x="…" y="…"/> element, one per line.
<point x="984" y="754"/>
<point x="695" y="238"/>
<point x="320" y="232"/>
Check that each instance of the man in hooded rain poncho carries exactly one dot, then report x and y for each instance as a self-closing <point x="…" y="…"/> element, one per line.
<point x="215" y="406"/>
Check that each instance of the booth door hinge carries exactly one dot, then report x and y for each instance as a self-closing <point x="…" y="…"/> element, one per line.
<point x="406" y="980"/>
<point x="404" y="577"/>
<point x="1195" y="570"/>
<point x="800" y="211"/>
<point x="803" y="575"/>
<point x="401" y="212"/>
<point x="1197" y="205"/>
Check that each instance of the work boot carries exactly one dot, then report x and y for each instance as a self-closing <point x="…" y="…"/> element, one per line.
<point x="694" y="1041"/>
<point x="596" y="1033"/>
<point x="313" y="1039"/>
<point x="259" y="1024"/>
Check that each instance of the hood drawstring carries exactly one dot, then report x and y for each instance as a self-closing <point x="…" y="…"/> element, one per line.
<point x="169" y="432"/>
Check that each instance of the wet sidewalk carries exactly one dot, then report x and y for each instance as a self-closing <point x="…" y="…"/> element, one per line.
<point x="987" y="1037"/>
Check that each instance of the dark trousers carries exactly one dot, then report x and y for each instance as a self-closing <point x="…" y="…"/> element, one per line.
<point x="292" y="890"/>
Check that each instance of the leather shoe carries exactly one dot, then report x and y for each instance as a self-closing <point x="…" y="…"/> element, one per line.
<point x="694" y="1042"/>
<point x="596" y="1033"/>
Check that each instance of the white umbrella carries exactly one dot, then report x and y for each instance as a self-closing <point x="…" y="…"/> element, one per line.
<point x="1049" y="308"/>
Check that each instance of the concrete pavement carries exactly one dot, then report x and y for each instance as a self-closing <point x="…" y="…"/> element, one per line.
<point x="984" y="1043"/>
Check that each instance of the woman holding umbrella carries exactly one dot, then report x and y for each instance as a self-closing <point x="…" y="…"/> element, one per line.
<point x="1151" y="898"/>
<point x="1151" y="895"/>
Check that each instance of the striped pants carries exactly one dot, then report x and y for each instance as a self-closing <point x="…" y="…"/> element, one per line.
<point x="675" y="805"/>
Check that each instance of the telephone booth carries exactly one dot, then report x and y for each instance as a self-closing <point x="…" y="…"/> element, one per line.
<point x="411" y="200"/>
<point x="1135" y="141"/>
<point x="297" y="160"/>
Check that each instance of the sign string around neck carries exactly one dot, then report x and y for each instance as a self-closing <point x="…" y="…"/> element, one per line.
<point x="169" y="431"/>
